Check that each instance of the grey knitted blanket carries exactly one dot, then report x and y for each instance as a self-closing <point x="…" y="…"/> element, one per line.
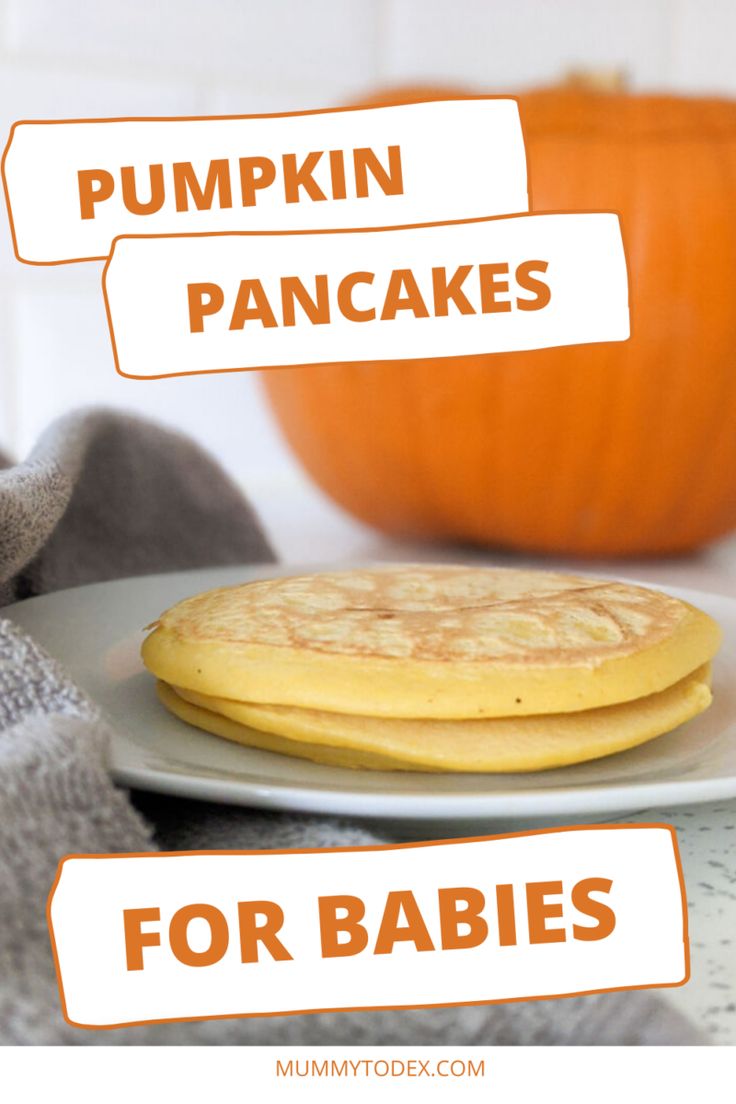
<point x="103" y="496"/>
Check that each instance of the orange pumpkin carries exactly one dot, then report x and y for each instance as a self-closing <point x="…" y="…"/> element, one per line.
<point x="613" y="449"/>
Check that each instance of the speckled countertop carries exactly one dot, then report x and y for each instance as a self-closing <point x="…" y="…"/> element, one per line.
<point x="707" y="839"/>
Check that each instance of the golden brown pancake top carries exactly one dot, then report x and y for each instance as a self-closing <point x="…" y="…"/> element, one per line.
<point x="437" y="613"/>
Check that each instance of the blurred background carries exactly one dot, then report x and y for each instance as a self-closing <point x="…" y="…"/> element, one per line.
<point x="69" y="58"/>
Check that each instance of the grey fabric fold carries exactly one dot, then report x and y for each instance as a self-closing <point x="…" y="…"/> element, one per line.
<point x="105" y="495"/>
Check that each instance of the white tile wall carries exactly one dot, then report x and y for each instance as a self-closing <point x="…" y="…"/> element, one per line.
<point x="61" y="58"/>
<point x="507" y="45"/>
<point x="704" y="45"/>
<point x="266" y="41"/>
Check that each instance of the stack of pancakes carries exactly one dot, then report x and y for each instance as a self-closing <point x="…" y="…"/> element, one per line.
<point x="435" y="668"/>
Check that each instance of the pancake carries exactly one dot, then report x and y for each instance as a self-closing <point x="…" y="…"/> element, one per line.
<point x="434" y="642"/>
<point x="218" y="725"/>
<point x="487" y="745"/>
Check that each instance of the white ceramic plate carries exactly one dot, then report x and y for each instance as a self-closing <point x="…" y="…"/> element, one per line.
<point x="96" y="631"/>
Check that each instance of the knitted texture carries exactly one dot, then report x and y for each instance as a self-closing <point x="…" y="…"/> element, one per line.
<point x="104" y="496"/>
